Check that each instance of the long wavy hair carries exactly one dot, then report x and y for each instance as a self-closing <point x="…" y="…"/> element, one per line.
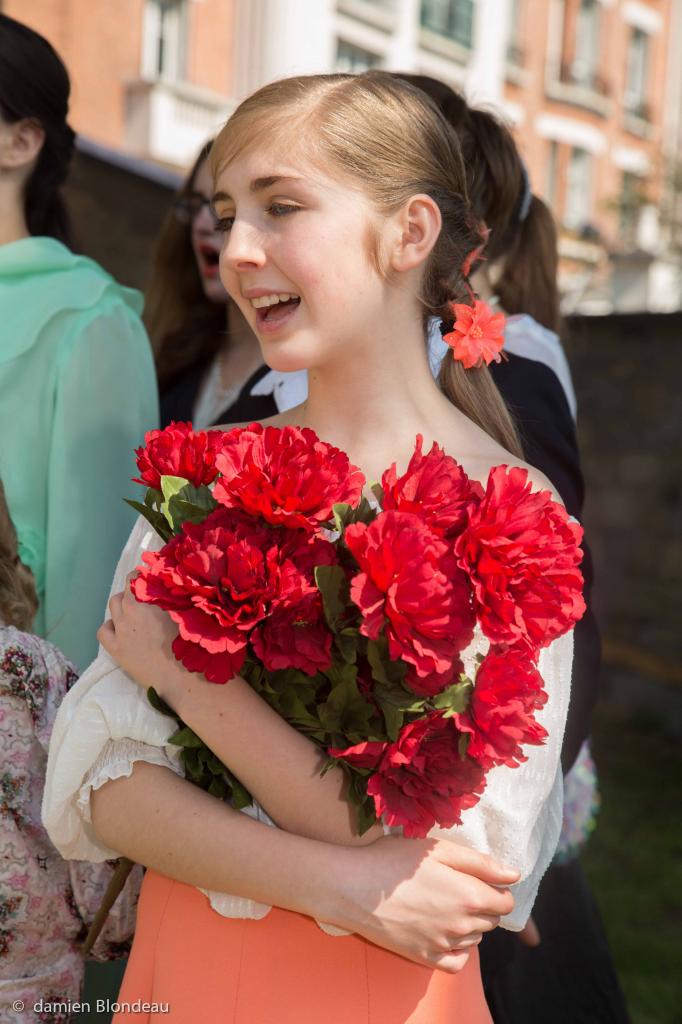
<point x="185" y="328"/>
<point x="390" y="139"/>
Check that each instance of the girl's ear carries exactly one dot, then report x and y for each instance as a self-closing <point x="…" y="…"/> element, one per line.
<point x="417" y="226"/>
<point x="22" y="142"/>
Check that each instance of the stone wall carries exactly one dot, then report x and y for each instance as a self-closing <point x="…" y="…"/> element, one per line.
<point x="117" y="212"/>
<point x="628" y="373"/>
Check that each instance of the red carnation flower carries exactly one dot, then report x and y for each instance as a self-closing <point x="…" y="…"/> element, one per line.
<point x="221" y="579"/>
<point x="434" y="487"/>
<point x="178" y="451"/>
<point x="522" y="553"/>
<point x="295" y="634"/>
<point x="410" y="585"/>
<point x="285" y="475"/>
<point x="420" y="780"/>
<point x="477" y="336"/>
<point x="500" y="717"/>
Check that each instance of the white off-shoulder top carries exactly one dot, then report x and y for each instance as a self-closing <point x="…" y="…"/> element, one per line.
<point x="105" y="724"/>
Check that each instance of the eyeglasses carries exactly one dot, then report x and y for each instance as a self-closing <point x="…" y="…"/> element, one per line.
<point x="190" y="206"/>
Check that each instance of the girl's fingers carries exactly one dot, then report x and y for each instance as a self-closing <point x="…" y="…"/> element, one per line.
<point x="116" y="605"/>
<point x="451" y="962"/>
<point x="463" y="942"/>
<point x="106" y="634"/>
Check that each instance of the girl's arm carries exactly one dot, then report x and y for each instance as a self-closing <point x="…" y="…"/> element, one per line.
<point x="419" y="898"/>
<point x="278" y="765"/>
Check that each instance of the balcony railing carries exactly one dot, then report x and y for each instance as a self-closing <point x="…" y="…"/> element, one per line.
<point x="170" y="121"/>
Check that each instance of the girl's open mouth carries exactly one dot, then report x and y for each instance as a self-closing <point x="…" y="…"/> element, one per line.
<point x="272" y="318"/>
<point x="210" y="259"/>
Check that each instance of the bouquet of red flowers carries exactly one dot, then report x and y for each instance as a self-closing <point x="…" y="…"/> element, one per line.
<point x="351" y="616"/>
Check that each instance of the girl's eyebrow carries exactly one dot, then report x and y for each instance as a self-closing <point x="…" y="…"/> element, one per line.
<point x="258" y="185"/>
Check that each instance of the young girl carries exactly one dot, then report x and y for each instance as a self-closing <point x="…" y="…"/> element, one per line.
<point x="46" y="903"/>
<point x="346" y="195"/>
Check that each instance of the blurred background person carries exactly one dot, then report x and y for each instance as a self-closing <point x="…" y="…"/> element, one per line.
<point x="46" y="903"/>
<point x="570" y="968"/>
<point x="208" y="360"/>
<point x="77" y="388"/>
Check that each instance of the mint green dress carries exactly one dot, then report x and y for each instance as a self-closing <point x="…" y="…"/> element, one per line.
<point x="77" y="393"/>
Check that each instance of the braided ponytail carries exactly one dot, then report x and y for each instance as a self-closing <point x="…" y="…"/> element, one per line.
<point x="35" y="84"/>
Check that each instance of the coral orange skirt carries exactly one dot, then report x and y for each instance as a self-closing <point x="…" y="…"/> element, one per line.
<point x="283" y="969"/>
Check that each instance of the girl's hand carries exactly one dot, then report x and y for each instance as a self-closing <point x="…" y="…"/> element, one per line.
<point x="428" y="900"/>
<point x="138" y="637"/>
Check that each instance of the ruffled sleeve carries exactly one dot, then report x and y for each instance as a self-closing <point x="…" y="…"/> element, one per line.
<point x="103" y="726"/>
<point x="518" y="819"/>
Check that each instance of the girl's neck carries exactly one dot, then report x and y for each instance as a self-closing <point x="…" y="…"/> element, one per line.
<point x="372" y="406"/>
<point x="13" y="225"/>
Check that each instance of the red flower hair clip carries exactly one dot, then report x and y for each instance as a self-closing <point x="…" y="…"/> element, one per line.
<point x="477" y="334"/>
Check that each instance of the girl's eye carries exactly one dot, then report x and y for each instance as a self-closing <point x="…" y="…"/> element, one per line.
<point x="282" y="209"/>
<point x="223" y="224"/>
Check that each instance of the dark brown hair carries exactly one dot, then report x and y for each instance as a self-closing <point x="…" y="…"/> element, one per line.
<point x="185" y="327"/>
<point x="386" y="136"/>
<point x="498" y="183"/>
<point x="34" y="84"/>
<point x="18" y="598"/>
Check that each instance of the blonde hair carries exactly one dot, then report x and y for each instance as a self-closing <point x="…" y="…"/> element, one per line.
<point x="18" y="598"/>
<point x="389" y="138"/>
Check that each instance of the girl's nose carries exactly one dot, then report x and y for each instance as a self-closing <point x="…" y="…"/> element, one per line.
<point x="242" y="247"/>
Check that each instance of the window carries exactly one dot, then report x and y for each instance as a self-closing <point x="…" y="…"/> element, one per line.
<point x="451" y="18"/>
<point x="164" y="38"/>
<point x="352" y="59"/>
<point x="586" y="53"/>
<point x="635" y="95"/>
<point x="578" y="207"/>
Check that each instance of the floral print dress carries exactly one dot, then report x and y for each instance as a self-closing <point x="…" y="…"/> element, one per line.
<point x="46" y="903"/>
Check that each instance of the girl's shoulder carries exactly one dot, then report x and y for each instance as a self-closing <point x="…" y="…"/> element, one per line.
<point x="479" y="465"/>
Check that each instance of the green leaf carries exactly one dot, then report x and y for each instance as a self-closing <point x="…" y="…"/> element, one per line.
<point x="154" y="518"/>
<point x="347" y="645"/>
<point x="455" y="699"/>
<point x="384" y="669"/>
<point x="217" y="788"/>
<point x="153" y="498"/>
<point x="240" y="795"/>
<point x="341" y="512"/>
<point x="331" y="580"/>
<point x="185" y="737"/>
<point x="171" y="485"/>
<point x="393" y="717"/>
<point x="159" y="704"/>
<point x="345" y="712"/>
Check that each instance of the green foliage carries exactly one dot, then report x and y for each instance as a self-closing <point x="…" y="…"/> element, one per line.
<point x="156" y="520"/>
<point x="200" y="764"/>
<point x="185" y="503"/>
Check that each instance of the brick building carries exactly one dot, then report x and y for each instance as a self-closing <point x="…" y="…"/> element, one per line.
<point x="593" y="89"/>
<point x="149" y="77"/>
